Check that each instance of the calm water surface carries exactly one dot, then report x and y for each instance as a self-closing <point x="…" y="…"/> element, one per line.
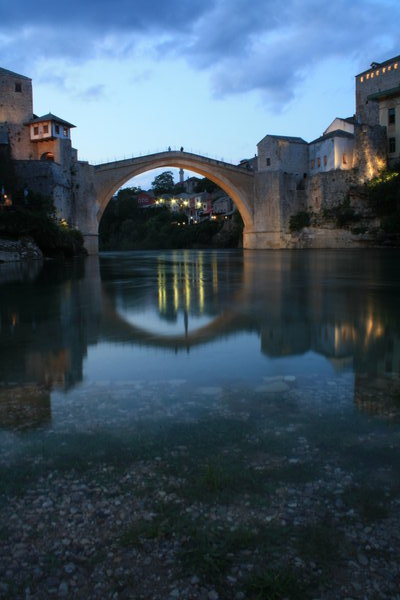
<point x="110" y="341"/>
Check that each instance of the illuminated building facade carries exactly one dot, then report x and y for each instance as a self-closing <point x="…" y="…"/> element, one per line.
<point x="378" y="102"/>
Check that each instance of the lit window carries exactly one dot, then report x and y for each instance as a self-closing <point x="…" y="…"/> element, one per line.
<point x="395" y="65"/>
<point x="372" y="75"/>
<point x="367" y="75"/>
<point x="325" y="160"/>
<point x="391" y="116"/>
<point x="389" y="67"/>
<point x="268" y="162"/>
<point x="377" y="73"/>
<point x="36" y="131"/>
<point x="361" y="79"/>
<point x="392" y="145"/>
<point x="318" y="162"/>
<point x="383" y="69"/>
<point x="344" y="159"/>
<point x="18" y="87"/>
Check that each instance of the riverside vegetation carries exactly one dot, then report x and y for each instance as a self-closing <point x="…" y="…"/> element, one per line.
<point x="126" y="226"/>
<point x="376" y="211"/>
<point x="33" y="216"/>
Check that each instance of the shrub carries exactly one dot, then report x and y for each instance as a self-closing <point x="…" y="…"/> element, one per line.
<point x="299" y="220"/>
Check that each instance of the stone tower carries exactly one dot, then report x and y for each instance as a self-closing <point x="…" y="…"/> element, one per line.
<point x="16" y="109"/>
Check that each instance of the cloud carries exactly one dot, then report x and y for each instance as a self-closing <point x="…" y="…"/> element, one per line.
<point x="262" y="45"/>
<point x="94" y="92"/>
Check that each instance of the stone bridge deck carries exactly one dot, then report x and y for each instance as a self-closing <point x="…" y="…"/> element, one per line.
<point x="236" y="181"/>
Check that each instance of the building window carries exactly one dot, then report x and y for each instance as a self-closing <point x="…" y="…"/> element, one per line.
<point x="57" y="128"/>
<point x="45" y="129"/>
<point x="312" y="164"/>
<point x="325" y="160"/>
<point x="268" y="162"/>
<point x="36" y="131"/>
<point x="318" y="162"/>
<point x="361" y="79"/>
<point x="18" y="87"/>
<point x="392" y="145"/>
<point x="344" y="159"/>
<point x="391" y="116"/>
<point x="65" y="131"/>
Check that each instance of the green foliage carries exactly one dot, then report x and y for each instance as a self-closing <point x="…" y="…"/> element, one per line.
<point x="299" y="220"/>
<point x="34" y="217"/>
<point x="276" y="584"/>
<point x="206" y="185"/>
<point x="342" y="214"/>
<point x="384" y="199"/>
<point x="163" y="183"/>
<point x="125" y="226"/>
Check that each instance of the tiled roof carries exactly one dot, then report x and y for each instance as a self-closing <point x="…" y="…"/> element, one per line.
<point x="287" y="138"/>
<point x="50" y="117"/>
<point x="332" y="134"/>
<point x="6" y="72"/>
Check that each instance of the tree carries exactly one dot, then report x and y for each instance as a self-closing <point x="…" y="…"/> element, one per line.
<point x="163" y="184"/>
<point x="206" y="185"/>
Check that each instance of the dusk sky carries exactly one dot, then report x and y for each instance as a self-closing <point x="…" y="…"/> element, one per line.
<point x="214" y="76"/>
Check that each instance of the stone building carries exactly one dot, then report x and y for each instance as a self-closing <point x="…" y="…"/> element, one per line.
<point x="334" y="149"/>
<point x="378" y="102"/>
<point x="40" y="147"/>
<point x="280" y="152"/>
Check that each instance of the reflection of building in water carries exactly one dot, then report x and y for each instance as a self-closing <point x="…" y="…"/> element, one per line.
<point x="377" y="382"/>
<point x="44" y="339"/>
<point x="378" y="396"/>
<point x="49" y="368"/>
<point x="24" y="407"/>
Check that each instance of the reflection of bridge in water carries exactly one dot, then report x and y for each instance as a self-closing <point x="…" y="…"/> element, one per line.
<point x="286" y="301"/>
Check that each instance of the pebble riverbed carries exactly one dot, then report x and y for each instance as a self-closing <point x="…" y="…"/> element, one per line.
<point x="154" y="491"/>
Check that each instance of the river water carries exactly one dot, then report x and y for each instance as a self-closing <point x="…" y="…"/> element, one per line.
<point x="303" y="346"/>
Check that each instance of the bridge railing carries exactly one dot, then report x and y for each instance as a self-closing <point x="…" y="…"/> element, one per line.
<point x="156" y="151"/>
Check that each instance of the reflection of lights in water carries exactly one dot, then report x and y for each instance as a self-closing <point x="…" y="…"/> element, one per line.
<point x="373" y="329"/>
<point x="214" y="267"/>
<point x="182" y="284"/>
<point x="187" y="284"/>
<point x="200" y="283"/>
<point x="176" y="288"/>
<point x="162" y="291"/>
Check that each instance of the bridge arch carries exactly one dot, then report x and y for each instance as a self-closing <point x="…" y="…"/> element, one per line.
<point x="236" y="181"/>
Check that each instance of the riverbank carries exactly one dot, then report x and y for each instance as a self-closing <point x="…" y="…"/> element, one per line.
<point x="233" y="495"/>
<point x="17" y="250"/>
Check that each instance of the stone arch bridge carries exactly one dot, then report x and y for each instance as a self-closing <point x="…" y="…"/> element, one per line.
<point x="257" y="195"/>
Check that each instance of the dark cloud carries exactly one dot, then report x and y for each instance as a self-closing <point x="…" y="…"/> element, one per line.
<point x="265" y="45"/>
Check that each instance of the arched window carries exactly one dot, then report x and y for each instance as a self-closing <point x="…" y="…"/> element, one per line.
<point x="47" y="156"/>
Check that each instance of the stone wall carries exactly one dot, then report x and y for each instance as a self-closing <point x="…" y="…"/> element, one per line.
<point x="49" y="179"/>
<point x="327" y="190"/>
<point x="369" y="151"/>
